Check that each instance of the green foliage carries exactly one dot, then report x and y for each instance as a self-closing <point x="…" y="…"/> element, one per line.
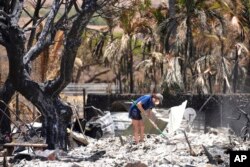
<point x="117" y="35"/>
<point x="181" y="2"/>
<point x="146" y="5"/>
<point x="158" y="16"/>
<point x="97" y="20"/>
<point x="247" y="6"/>
<point x="215" y="5"/>
<point x="126" y="19"/>
<point x="137" y="49"/>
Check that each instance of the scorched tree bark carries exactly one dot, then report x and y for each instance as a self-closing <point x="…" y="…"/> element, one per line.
<point x="21" y="53"/>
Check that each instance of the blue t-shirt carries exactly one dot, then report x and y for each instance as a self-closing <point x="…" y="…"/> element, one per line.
<point x="146" y="102"/>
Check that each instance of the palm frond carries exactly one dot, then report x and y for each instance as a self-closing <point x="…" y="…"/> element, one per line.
<point x="200" y="82"/>
<point x="124" y="44"/>
<point x="241" y="48"/>
<point x="146" y="64"/>
<point x="111" y="51"/>
<point x="181" y="33"/>
<point x="158" y="57"/>
<point x="174" y="76"/>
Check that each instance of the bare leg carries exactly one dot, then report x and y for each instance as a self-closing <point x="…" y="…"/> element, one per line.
<point x="141" y="125"/>
<point x="136" y="127"/>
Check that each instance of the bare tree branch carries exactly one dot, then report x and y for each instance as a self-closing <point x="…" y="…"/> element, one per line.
<point x="26" y="24"/>
<point x="34" y="18"/>
<point x="32" y="53"/>
<point x="18" y="6"/>
<point x="72" y="43"/>
<point x="28" y="13"/>
<point x="36" y="25"/>
<point x="43" y="2"/>
<point x="76" y="7"/>
<point x="60" y="23"/>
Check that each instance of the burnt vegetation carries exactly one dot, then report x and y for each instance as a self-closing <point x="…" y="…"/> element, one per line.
<point x="26" y="43"/>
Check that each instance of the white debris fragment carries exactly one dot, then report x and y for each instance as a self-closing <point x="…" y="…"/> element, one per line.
<point x="175" y="117"/>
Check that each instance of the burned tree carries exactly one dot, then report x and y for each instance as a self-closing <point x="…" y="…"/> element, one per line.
<point x="24" y="45"/>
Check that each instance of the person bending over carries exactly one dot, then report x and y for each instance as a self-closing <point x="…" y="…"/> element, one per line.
<point x="142" y="105"/>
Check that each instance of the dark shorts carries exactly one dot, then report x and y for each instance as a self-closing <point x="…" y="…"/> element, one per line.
<point x="135" y="114"/>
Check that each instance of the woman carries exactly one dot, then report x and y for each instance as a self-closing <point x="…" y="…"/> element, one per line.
<point x="142" y="105"/>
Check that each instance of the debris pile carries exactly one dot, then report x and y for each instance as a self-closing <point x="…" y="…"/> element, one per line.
<point x="211" y="148"/>
<point x="109" y="142"/>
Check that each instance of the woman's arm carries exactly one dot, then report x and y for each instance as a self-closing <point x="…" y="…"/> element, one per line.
<point x="139" y="106"/>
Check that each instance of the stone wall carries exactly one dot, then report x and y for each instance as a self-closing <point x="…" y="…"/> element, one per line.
<point x="218" y="109"/>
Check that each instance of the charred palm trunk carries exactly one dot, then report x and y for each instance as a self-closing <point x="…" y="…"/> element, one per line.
<point x="223" y="67"/>
<point x="171" y="4"/>
<point x="154" y="76"/>
<point x="189" y="41"/>
<point x="235" y="75"/>
<point x="170" y="37"/>
<point x="130" y="52"/>
<point x="120" y="81"/>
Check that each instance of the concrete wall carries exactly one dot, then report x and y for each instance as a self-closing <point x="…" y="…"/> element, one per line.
<point x="217" y="108"/>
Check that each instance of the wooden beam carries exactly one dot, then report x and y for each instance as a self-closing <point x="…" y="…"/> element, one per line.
<point x="25" y="145"/>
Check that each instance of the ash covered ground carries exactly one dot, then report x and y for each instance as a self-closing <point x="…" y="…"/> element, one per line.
<point x="155" y="151"/>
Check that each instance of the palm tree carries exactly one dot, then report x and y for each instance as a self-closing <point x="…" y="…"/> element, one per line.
<point x="150" y="68"/>
<point x="133" y="22"/>
<point x="127" y="24"/>
<point x="205" y="29"/>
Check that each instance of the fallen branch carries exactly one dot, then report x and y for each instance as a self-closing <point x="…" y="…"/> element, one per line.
<point x="211" y="159"/>
<point x="189" y="145"/>
<point x="78" y="137"/>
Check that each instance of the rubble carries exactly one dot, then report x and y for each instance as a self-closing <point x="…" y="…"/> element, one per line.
<point x="155" y="151"/>
<point x="178" y="148"/>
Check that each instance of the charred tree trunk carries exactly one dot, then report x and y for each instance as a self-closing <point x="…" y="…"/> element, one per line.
<point x="45" y="96"/>
<point x="131" y="61"/>
<point x="172" y="11"/>
<point x="171" y="34"/>
<point x="154" y="76"/>
<point x="189" y="41"/>
<point x="56" y="114"/>
<point x="235" y="75"/>
<point x="120" y="81"/>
